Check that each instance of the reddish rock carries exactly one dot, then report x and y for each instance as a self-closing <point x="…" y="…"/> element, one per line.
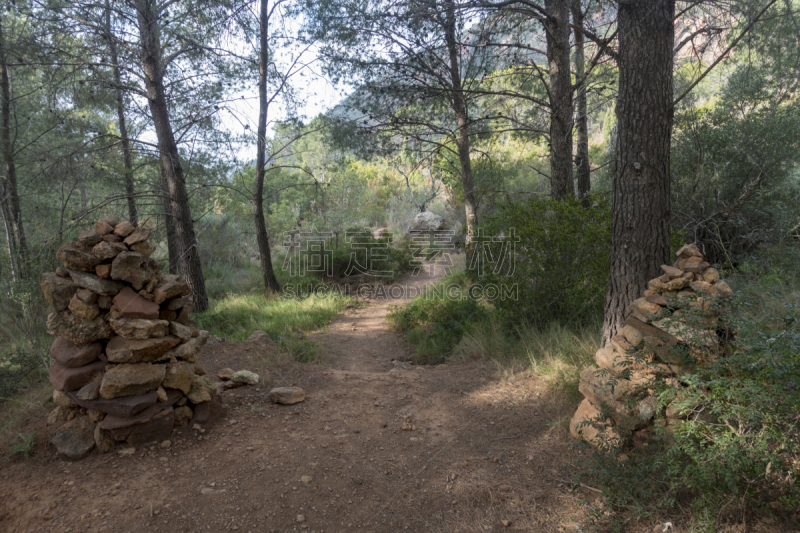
<point x="139" y="328"/>
<point x="81" y="309"/>
<point x="122" y="350"/>
<point x="137" y="236"/>
<point x="112" y="238"/>
<point x="58" y="291"/>
<point x="108" y="223"/>
<point x="185" y="316"/>
<point x="688" y="250"/>
<point x="71" y="379"/>
<point x="124" y="228"/>
<point x="179" y="376"/>
<point x="77" y="257"/>
<point x="131" y="305"/>
<point x="177" y="303"/>
<point x="144" y="248"/>
<point x="158" y="428"/>
<point x="103" y="271"/>
<point x="106" y="250"/>
<point x="225" y="374"/>
<point x="179" y="330"/>
<point x="171" y="287"/>
<point x="103" y="227"/>
<point x="125" y="407"/>
<point x="131" y="379"/>
<point x="86" y="296"/>
<point x="208" y="412"/>
<point x="78" y="330"/>
<point x="95" y="283"/>
<point x="71" y="355"/>
<point x="89" y="237"/>
<point x="136" y="269"/>
<point x="656" y="299"/>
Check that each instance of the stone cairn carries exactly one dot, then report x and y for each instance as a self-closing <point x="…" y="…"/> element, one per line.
<point x="675" y="323"/>
<point x="124" y="366"/>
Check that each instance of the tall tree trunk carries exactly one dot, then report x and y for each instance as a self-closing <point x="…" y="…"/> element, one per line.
<point x="462" y="140"/>
<point x="127" y="154"/>
<point x="12" y="251"/>
<point x="641" y="188"/>
<point x="174" y="249"/>
<point x="11" y="197"/>
<point x="270" y="281"/>
<point x="168" y="150"/>
<point x="558" y="51"/>
<point x="581" y="114"/>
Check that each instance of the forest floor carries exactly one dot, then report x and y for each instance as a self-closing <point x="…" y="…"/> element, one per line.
<point x="378" y="445"/>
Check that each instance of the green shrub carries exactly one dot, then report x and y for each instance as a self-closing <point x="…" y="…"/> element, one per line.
<point x="23" y="445"/>
<point x="436" y="322"/>
<point x="560" y="260"/>
<point x="734" y="185"/>
<point x="17" y="365"/>
<point x="364" y="253"/>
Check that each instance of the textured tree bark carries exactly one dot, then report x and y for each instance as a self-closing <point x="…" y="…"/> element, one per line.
<point x="17" y="245"/>
<point x="462" y="140"/>
<point x="581" y="114"/>
<point x="127" y="154"/>
<point x="262" y="236"/>
<point x="641" y="187"/>
<point x="558" y="52"/>
<point x="12" y="252"/>
<point x="174" y="249"/>
<point x="168" y="150"/>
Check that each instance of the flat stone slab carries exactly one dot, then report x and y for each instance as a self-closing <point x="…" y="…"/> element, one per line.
<point x="131" y="379"/>
<point x="122" y="350"/>
<point x="76" y="329"/>
<point x="157" y="428"/>
<point x="71" y="355"/>
<point x="95" y="283"/>
<point x="70" y="379"/>
<point x="118" y="422"/>
<point x="125" y="406"/>
<point x="131" y="305"/>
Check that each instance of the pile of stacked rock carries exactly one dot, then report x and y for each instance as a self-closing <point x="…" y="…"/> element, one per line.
<point x="677" y="321"/>
<point x="125" y="353"/>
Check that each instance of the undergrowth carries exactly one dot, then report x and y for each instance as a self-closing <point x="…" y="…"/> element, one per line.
<point x="461" y="328"/>
<point x="736" y="453"/>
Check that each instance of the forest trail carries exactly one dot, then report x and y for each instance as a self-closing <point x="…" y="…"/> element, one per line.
<point x="378" y="445"/>
<point x="361" y="340"/>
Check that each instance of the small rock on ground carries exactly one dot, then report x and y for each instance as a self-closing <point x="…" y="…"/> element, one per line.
<point x="287" y="395"/>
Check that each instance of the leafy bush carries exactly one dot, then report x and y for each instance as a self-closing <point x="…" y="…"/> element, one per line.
<point x="738" y="448"/>
<point x="17" y="365"/>
<point x="360" y="252"/>
<point x="735" y="186"/>
<point x="559" y="262"/>
<point x="437" y="321"/>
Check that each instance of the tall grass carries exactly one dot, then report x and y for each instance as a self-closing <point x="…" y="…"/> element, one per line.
<point x="235" y="317"/>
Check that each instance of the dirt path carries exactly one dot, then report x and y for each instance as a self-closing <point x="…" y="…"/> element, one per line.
<point x="377" y="446"/>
